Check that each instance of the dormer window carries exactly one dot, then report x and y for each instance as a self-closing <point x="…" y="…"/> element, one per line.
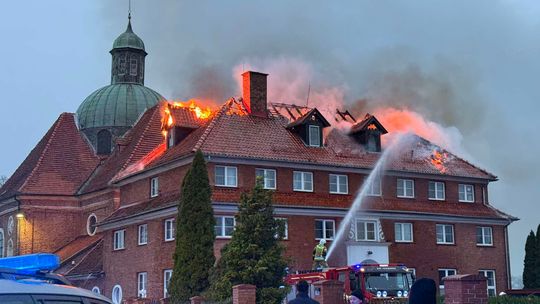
<point x="368" y="133"/>
<point x="314" y="136"/>
<point x="309" y="128"/>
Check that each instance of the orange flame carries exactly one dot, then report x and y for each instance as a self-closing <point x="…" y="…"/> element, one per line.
<point x="438" y="159"/>
<point x="192" y="106"/>
<point x="372" y="127"/>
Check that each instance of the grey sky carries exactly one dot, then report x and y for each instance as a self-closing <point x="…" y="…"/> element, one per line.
<point x="469" y="64"/>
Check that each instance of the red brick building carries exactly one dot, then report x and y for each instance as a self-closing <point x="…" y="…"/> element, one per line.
<point x="101" y="188"/>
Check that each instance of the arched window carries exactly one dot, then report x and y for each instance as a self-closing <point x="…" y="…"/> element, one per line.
<point x="104" y="142"/>
<point x="1" y="243"/>
<point x="116" y="296"/>
<point x="91" y="224"/>
<point x="9" y="250"/>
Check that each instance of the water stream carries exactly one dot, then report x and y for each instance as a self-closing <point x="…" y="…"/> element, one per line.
<point x="345" y="225"/>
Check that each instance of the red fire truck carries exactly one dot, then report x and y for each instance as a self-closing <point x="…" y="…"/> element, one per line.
<point x="380" y="283"/>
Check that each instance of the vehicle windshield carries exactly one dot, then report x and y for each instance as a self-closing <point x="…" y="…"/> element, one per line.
<point x="390" y="282"/>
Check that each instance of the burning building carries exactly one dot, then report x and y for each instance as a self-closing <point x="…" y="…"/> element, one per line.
<point x="101" y="188"/>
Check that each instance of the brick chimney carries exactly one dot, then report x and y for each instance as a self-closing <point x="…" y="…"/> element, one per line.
<point x="254" y="93"/>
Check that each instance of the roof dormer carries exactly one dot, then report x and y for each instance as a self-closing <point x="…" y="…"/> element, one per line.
<point x="368" y="133"/>
<point x="310" y="128"/>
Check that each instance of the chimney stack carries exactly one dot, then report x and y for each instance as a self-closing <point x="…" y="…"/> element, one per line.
<point x="254" y="93"/>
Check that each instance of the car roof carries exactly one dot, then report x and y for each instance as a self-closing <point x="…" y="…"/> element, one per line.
<point x="42" y="288"/>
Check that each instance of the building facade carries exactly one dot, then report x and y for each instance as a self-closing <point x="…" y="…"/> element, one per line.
<point x="101" y="188"/>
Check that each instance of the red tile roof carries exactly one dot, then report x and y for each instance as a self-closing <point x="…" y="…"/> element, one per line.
<point x="86" y="262"/>
<point x="59" y="164"/>
<point x="76" y="246"/>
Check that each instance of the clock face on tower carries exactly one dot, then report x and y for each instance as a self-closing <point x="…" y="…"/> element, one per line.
<point x="10" y="225"/>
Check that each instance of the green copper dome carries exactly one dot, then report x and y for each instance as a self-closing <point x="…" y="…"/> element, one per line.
<point x="116" y="105"/>
<point x="128" y="39"/>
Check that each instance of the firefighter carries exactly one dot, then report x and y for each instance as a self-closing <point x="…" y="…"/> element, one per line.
<point x="319" y="256"/>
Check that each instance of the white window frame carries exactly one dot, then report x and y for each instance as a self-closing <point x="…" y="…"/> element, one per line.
<point x="266" y="178"/>
<point x="444" y="240"/>
<point x="401" y="228"/>
<point x="365" y="224"/>
<point x="227" y="173"/>
<point x="119" y="239"/>
<point x="88" y="226"/>
<point x="317" y="129"/>
<point x="437" y="198"/>
<point x="142" y="235"/>
<point x="464" y="187"/>
<point x="484" y="229"/>
<point x="154" y="186"/>
<point x="446" y="272"/>
<point x="116" y="299"/>
<point x="142" y="283"/>
<point x="167" y="275"/>
<point x="494" y="286"/>
<point x="222" y="226"/>
<point x="344" y="182"/>
<point x="169" y="234"/>
<point x="403" y="183"/>
<point x="324" y="228"/>
<point x="376" y="184"/>
<point x="303" y="180"/>
<point x="96" y="290"/>
<point x="286" y="227"/>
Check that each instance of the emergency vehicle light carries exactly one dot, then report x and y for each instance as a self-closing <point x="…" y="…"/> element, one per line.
<point x="31" y="263"/>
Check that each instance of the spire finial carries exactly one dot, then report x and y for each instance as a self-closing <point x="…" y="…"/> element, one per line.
<point x="129" y="10"/>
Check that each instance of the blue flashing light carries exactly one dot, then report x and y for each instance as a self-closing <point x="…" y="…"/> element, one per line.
<point x="31" y="263"/>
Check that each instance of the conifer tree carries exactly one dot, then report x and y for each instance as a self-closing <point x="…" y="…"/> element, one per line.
<point x="529" y="264"/>
<point x="254" y="254"/>
<point x="194" y="254"/>
<point x="537" y="259"/>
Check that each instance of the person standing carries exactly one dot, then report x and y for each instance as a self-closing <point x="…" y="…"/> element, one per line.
<point x="319" y="256"/>
<point x="302" y="296"/>
<point x="423" y="291"/>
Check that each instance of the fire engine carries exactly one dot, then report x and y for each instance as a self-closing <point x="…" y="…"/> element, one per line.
<point x="380" y="283"/>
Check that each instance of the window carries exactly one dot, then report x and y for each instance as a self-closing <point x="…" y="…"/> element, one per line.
<point x="374" y="187"/>
<point x="365" y="230"/>
<point x="445" y="234"/>
<point x="339" y="184"/>
<point x="405" y="188"/>
<point x="303" y="181"/>
<point x="9" y="249"/>
<point x="96" y="290"/>
<point x="436" y="191"/>
<point x="490" y="275"/>
<point x="444" y="273"/>
<point x="143" y="234"/>
<point x="225" y="176"/>
<point x="224" y="226"/>
<point x="466" y="193"/>
<point x="167" y="274"/>
<point x="91" y="224"/>
<point x="484" y="236"/>
<point x="104" y="142"/>
<point x="314" y="136"/>
<point x="116" y="296"/>
<point x="154" y="187"/>
<point x="1" y="243"/>
<point x="169" y="230"/>
<point x="141" y="284"/>
<point x="268" y="178"/>
<point x="133" y="67"/>
<point x="324" y="229"/>
<point x="285" y="224"/>
<point x="404" y="232"/>
<point x="118" y="242"/>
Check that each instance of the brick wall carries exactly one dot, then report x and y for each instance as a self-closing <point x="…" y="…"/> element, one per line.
<point x="465" y="289"/>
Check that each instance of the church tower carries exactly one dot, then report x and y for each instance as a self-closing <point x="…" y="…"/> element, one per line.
<point x="109" y="112"/>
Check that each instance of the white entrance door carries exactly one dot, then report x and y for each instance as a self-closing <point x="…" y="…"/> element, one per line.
<point x="360" y="251"/>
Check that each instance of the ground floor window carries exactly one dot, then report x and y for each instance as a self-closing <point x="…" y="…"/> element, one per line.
<point x="142" y="278"/>
<point x="224" y="226"/>
<point x="324" y="229"/>
<point x="490" y="275"/>
<point x="366" y="230"/>
<point x="167" y="274"/>
<point x="444" y="272"/>
<point x="116" y="296"/>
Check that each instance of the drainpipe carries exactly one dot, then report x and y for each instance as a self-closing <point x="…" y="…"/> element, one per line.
<point x="18" y="226"/>
<point x="509" y="274"/>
